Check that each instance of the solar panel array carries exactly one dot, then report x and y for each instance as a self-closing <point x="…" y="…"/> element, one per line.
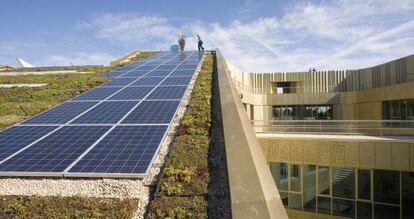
<point x="113" y="130"/>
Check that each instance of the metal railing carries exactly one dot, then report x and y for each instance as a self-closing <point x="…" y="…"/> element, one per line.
<point x="343" y="86"/>
<point x="366" y="127"/>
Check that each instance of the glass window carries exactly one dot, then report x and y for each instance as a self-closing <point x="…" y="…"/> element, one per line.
<point x="295" y="178"/>
<point x="285" y="198"/>
<point x="280" y="175"/>
<point x="364" y="210"/>
<point x="343" y="182"/>
<point x="276" y="113"/>
<point x="309" y="188"/>
<point x="329" y="112"/>
<point x="386" y="211"/>
<point x="324" y="186"/>
<point x="324" y="205"/>
<point x="407" y="189"/>
<point x="308" y="113"/>
<point x="364" y="184"/>
<point x="344" y="208"/>
<point x="410" y="109"/>
<point x="387" y="186"/>
<point x="322" y="112"/>
<point x="395" y="110"/>
<point x="295" y="201"/>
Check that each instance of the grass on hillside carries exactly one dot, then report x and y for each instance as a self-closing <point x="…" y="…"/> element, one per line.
<point x="182" y="189"/>
<point x="65" y="207"/>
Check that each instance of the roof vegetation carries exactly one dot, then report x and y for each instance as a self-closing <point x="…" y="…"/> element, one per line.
<point x="183" y="187"/>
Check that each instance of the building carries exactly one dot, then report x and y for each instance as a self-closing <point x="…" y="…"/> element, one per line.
<point x="338" y="143"/>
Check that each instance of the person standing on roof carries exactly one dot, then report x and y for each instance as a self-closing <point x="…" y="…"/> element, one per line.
<point x="200" y="43"/>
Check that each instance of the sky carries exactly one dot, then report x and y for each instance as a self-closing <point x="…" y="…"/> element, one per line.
<point x="256" y="36"/>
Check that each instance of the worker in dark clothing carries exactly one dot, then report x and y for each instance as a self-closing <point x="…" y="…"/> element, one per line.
<point x="200" y="43"/>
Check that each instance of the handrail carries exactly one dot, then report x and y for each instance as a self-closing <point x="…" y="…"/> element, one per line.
<point x="371" y="127"/>
<point x="253" y="192"/>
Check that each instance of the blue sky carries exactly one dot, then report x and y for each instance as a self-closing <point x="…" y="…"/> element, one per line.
<point x="254" y="35"/>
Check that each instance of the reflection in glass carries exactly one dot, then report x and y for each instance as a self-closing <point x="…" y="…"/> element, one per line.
<point x="295" y="201"/>
<point x="364" y="210"/>
<point x="387" y="186"/>
<point x="410" y="109"/>
<point x="324" y="205"/>
<point x="386" y="211"/>
<point x="323" y="184"/>
<point x="364" y="184"/>
<point x="295" y="178"/>
<point x="343" y="182"/>
<point x="407" y="183"/>
<point x="284" y="197"/>
<point x="280" y="175"/>
<point x="344" y="208"/>
<point x="309" y="188"/>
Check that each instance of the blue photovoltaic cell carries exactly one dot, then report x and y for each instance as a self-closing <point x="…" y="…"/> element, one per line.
<point x="61" y="114"/>
<point x="99" y="93"/>
<point x="185" y="72"/>
<point x="159" y="73"/>
<point x="187" y="66"/>
<point x="126" y="149"/>
<point x="146" y="67"/>
<point x="55" y="152"/>
<point x="107" y="112"/>
<point x="17" y="137"/>
<point x="177" y="81"/>
<point x="119" y="82"/>
<point x="132" y="93"/>
<point x="134" y="74"/>
<point x="166" y="67"/>
<point x="152" y="112"/>
<point x="164" y="93"/>
<point x="148" y="81"/>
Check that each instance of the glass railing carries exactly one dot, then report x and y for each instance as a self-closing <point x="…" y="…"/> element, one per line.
<point x="368" y="127"/>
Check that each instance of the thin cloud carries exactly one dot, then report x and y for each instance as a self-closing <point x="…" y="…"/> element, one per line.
<point x="327" y="35"/>
<point x="80" y="58"/>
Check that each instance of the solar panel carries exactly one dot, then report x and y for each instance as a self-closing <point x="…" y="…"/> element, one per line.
<point x="134" y="74"/>
<point x="152" y="112"/>
<point x="61" y="114"/>
<point x="159" y="73"/>
<point x="146" y="67"/>
<point x="17" y="137"/>
<point x="187" y="66"/>
<point x="183" y="72"/>
<point x="148" y="81"/>
<point x="107" y="112"/>
<point x="165" y="93"/>
<point x="119" y="82"/>
<point x="166" y="67"/>
<point x="93" y="143"/>
<point x="132" y="93"/>
<point x="177" y="81"/>
<point x="99" y="93"/>
<point x="55" y="152"/>
<point x="126" y="149"/>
